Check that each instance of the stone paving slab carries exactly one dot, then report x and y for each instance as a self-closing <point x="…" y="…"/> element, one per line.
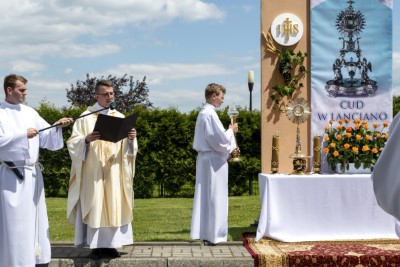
<point x="157" y="254"/>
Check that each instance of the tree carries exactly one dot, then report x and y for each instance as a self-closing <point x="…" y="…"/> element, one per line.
<point x="82" y="93"/>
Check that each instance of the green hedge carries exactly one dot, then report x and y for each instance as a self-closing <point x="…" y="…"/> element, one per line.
<point x="165" y="164"/>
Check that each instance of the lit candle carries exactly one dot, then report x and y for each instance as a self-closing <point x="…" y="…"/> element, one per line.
<point x="275" y="153"/>
<point x="317" y="154"/>
<point x="251" y="76"/>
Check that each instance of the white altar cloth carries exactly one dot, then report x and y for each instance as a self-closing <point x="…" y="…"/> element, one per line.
<point x="321" y="207"/>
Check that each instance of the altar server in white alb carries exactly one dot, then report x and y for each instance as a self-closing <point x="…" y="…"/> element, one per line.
<point x="386" y="174"/>
<point x="214" y="145"/>
<point x="24" y="227"/>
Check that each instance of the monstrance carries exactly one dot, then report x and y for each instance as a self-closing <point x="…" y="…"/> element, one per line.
<point x="233" y="113"/>
<point x="298" y="111"/>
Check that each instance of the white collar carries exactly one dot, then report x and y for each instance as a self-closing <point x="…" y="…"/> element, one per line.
<point x="6" y="104"/>
<point x="209" y="106"/>
<point x="105" y="111"/>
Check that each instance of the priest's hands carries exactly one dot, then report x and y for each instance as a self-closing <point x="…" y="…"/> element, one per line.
<point x="93" y="136"/>
<point x="132" y="134"/>
<point x="31" y="132"/>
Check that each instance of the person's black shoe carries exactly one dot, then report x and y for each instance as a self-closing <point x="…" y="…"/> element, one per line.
<point x="111" y="252"/>
<point x="208" y="243"/>
<point x="96" y="254"/>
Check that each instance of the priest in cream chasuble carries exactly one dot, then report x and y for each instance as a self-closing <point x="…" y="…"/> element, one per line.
<point x="100" y="196"/>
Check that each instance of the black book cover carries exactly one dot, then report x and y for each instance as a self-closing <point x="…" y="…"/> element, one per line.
<point x="114" y="129"/>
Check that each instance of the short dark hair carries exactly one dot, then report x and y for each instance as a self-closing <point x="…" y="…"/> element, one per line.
<point x="106" y="83"/>
<point x="11" y="79"/>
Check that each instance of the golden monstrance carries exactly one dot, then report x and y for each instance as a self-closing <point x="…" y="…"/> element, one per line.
<point x="298" y="111"/>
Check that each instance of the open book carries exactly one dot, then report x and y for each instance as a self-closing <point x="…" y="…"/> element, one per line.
<point x="114" y="129"/>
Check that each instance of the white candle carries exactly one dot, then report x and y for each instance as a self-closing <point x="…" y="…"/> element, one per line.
<point x="275" y="153"/>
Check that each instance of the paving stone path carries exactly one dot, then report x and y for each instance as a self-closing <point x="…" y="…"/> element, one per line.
<point x="157" y="254"/>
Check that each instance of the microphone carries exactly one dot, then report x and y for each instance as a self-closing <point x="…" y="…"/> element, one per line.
<point x="112" y="106"/>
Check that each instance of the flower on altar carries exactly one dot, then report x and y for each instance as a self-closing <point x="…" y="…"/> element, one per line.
<point x="358" y="144"/>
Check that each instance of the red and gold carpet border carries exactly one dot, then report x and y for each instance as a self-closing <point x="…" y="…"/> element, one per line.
<point x="358" y="253"/>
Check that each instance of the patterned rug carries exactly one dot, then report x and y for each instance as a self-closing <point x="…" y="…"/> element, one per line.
<point x="358" y="253"/>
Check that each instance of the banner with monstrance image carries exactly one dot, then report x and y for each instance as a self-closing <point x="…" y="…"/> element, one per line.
<point x="351" y="64"/>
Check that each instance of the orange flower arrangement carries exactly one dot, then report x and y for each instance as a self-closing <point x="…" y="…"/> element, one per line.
<point x="360" y="145"/>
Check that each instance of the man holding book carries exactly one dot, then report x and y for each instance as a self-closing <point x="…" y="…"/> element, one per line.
<point x="100" y="195"/>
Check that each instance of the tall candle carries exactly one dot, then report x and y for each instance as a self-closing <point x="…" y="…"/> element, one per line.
<point x="275" y="153"/>
<point x="317" y="153"/>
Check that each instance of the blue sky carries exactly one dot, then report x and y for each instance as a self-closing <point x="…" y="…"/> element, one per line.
<point x="179" y="45"/>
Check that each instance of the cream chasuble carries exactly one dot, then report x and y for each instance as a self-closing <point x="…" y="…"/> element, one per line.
<point x="101" y="176"/>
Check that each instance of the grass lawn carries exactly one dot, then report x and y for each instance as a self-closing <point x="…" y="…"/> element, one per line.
<point x="161" y="219"/>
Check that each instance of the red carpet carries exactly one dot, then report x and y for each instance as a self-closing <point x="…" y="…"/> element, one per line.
<point x="358" y="253"/>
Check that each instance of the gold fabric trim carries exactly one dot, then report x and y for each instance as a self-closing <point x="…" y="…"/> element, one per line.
<point x="273" y="253"/>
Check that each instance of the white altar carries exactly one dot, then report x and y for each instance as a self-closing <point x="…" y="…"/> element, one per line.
<point x="321" y="207"/>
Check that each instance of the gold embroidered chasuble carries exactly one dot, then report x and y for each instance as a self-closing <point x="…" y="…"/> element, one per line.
<point x="101" y="176"/>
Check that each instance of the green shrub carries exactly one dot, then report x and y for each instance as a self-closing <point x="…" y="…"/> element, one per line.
<point x="166" y="162"/>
